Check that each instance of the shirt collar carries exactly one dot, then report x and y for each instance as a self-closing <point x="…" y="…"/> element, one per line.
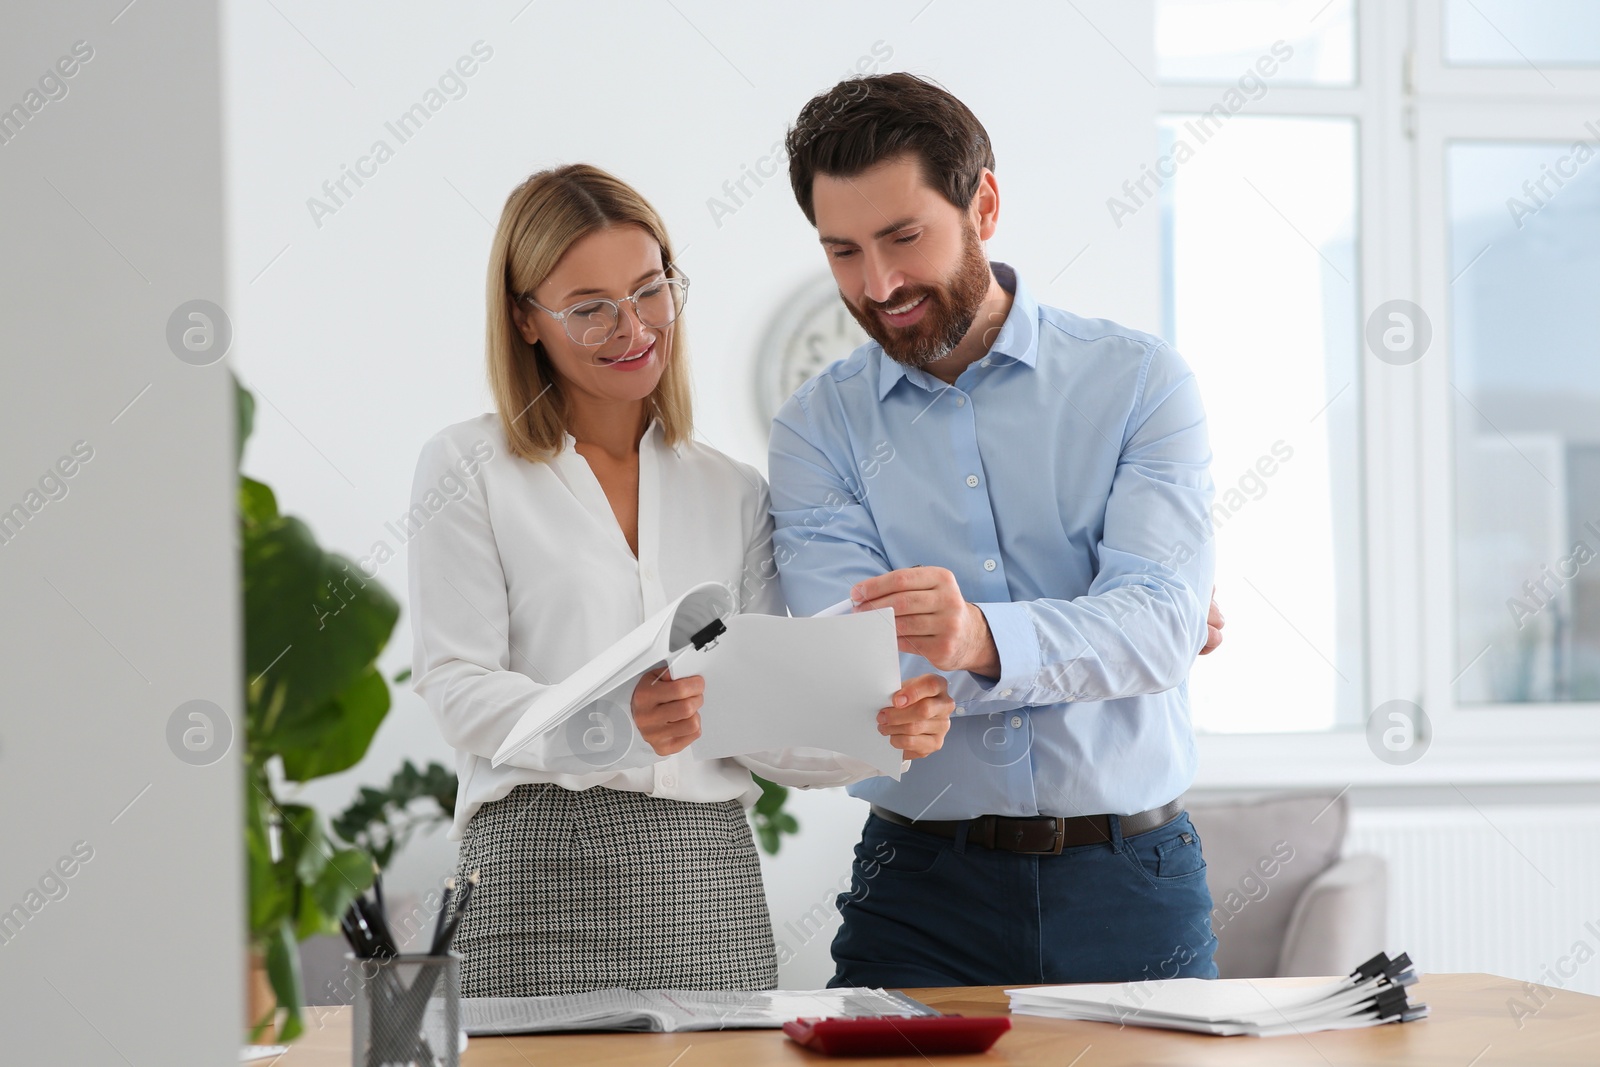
<point x="1018" y="339"/>
<point x="658" y="430"/>
<point x="655" y="434"/>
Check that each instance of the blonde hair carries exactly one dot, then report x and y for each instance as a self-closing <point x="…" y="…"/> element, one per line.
<point x="542" y="218"/>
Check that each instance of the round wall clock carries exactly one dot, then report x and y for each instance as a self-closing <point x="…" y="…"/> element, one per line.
<point x="811" y="329"/>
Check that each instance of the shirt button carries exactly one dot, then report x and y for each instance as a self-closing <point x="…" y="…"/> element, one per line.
<point x="669" y="780"/>
<point x="988" y="564"/>
<point x="1016" y="722"/>
<point x="984" y="362"/>
<point x="972" y="480"/>
<point x="1005" y="692"/>
<point x="961" y="401"/>
<point x="649" y="574"/>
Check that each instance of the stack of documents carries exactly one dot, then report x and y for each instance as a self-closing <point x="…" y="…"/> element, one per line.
<point x="677" y="1010"/>
<point x="1374" y="994"/>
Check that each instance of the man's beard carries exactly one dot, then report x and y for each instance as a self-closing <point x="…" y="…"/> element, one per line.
<point x="952" y="307"/>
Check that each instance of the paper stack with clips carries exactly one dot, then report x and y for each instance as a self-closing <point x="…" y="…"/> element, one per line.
<point x="1375" y="993"/>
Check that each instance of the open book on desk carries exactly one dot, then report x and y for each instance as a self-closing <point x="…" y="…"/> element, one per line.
<point x="676" y="1010"/>
<point x="771" y="681"/>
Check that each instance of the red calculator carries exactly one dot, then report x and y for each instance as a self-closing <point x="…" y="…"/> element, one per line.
<point x="893" y="1035"/>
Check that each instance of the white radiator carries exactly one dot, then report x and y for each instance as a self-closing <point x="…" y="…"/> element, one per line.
<point x="1511" y="890"/>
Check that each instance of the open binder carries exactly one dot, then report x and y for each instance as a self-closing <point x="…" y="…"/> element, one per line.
<point x="771" y="681"/>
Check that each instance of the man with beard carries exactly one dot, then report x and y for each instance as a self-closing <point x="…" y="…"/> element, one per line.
<point x="1030" y="492"/>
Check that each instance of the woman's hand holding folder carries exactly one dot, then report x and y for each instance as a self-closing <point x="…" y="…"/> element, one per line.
<point x="666" y="710"/>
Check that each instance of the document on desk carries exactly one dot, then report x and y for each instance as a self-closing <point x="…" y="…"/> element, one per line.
<point x="772" y="681"/>
<point x="676" y="1010"/>
<point x="1373" y="995"/>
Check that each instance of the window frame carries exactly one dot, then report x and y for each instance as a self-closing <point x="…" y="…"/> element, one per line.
<point x="1408" y="106"/>
<point x="1534" y="83"/>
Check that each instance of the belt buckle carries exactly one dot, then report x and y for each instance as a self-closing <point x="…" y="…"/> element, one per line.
<point x="1060" y="840"/>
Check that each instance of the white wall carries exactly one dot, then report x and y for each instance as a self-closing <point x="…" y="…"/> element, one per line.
<point x="363" y="335"/>
<point x="121" y="896"/>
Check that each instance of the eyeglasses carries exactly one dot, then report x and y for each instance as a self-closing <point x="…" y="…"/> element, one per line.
<point x="594" y="322"/>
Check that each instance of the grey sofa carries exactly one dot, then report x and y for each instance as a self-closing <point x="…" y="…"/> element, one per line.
<point x="1285" y="900"/>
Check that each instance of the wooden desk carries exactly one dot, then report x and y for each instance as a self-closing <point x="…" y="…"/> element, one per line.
<point x="1470" y="1025"/>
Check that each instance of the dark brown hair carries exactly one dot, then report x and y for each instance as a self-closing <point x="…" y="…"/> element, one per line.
<point x="861" y="122"/>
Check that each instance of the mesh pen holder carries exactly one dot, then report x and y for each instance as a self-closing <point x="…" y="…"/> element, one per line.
<point x="407" y="1011"/>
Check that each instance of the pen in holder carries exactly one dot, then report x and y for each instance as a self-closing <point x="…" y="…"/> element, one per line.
<point x="406" y="1011"/>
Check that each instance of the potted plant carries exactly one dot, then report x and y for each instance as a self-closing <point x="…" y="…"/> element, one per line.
<point x="313" y="629"/>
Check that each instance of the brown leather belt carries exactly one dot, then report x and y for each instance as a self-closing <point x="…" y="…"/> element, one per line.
<point x="1042" y="834"/>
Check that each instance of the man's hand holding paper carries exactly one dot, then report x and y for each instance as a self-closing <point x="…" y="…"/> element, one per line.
<point x="919" y="716"/>
<point x="932" y="619"/>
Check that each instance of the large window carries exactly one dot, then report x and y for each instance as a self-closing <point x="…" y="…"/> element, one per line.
<point x="1381" y="228"/>
<point x="1525" y="407"/>
<point x="1263" y="300"/>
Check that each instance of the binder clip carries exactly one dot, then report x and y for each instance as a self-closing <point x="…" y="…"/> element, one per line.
<point x="706" y="636"/>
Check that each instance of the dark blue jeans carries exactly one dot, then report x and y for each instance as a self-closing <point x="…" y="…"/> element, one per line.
<point x="928" y="911"/>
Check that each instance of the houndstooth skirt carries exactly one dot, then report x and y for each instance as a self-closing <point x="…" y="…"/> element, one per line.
<point x="602" y="888"/>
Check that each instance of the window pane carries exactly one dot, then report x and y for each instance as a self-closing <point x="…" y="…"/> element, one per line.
<point x="1259" y="230"/>
<point x="1221" y="40"/>
<point x="1522" y="33"/>
<point x="1525" y="369"/>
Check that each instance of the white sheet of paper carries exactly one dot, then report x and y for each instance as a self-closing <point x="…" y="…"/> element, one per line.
<point x="843" y="607"/>
<point x="774" y="682"/>
<point x="1235" y="1000"/>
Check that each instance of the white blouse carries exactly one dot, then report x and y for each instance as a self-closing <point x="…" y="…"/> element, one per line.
<point x="520" y="574"/>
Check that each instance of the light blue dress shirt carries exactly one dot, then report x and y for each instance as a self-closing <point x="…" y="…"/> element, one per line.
<point x="1065" y="480"/>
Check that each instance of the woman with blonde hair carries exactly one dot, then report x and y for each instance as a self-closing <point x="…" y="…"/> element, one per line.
<point x="607" y="856"/>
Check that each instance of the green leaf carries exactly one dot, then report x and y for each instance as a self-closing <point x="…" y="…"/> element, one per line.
<point x="271" y="896"/>
<point x="313" y="627"/>
<point x="772" y="796"/>
<point x="347" y="875"/>
<point x="283" y="969"/>
<point x="244" y="417"/>
<point x="337" y="735"/>
<point x="770" y="820"/>
<point x="305" y="846"/>
<point x="309" y="920"/>
<point x="441" y="784"/>
<point x="352" y="824"/>
<point x="257" y="503"/>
